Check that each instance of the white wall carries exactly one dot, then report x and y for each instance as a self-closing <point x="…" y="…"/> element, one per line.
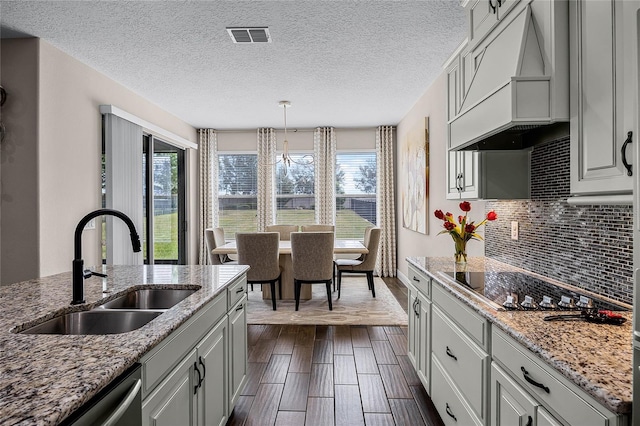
<point x="431" y="104"/>
<point x="69" y="139"/>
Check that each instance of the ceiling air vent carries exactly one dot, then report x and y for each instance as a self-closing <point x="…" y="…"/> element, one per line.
<point x="249" y="34"/>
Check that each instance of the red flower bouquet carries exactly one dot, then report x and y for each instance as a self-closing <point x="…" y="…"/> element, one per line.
<point x="463" y="230"/>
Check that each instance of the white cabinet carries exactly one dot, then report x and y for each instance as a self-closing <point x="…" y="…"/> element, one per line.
<point x="483" y="15"/>
<point x="194" y="377"/>
<point x="602" y="99"/>
<point x="419" y="326"/>
<point x="489" y="175"/>
<point x="238" y="356"/>
<point x="173" y="402"/>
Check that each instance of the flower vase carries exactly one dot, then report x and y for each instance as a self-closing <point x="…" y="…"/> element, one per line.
<point x="461" y="252"/>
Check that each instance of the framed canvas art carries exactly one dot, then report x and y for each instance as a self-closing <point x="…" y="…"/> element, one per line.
<point x="415" y="190"/>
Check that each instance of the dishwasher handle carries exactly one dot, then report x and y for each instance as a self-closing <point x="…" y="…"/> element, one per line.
<point x="124" y="405"/>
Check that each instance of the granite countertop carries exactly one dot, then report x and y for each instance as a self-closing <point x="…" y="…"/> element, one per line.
<point x="45" y="378"/>
<point x="596" y="357"/>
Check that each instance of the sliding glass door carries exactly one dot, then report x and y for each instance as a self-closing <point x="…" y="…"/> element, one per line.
<point x="163" y="168"/>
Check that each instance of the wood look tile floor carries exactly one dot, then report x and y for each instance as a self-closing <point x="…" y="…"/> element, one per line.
<point x="333" y="375"/>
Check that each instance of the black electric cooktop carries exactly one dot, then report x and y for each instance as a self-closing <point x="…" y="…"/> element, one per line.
<point x="521" y="291"/>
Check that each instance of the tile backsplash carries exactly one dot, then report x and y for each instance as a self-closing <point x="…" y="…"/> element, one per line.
<point x="587" y="246"/>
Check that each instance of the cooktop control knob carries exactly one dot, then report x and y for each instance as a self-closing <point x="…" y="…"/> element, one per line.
<point x="511" y="302"/>
<point x="584" y="303"/>
<point x="567" y="303"/>
<point x="529" y="303"/>
<point x="547" y="303"/>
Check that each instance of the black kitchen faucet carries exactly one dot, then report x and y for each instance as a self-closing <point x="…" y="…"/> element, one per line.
<point x="78" y="264"/>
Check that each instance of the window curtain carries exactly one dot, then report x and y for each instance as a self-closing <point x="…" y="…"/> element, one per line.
<point x="324" y="147"/>
<point x="208" y="164"/>
<point x="123" y="187"/>
<point x="386" y="264"/>
<point x="266" y="177"/>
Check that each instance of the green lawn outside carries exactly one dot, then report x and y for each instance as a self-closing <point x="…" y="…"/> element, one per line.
<point x="348" y="224"/>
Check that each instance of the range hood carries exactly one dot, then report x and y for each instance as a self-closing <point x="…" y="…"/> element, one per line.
<point x="519" y="92"/>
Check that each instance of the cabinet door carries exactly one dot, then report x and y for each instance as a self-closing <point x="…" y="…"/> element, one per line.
<point x="510" y="403"/>
<point x="454" y="94"/>
<point x="482" y="16"/>
<point x="462" y="182"/>
<point x="424" y="343"/>
<point x="598" y="128"/>
<point x="238" y="350"/>
<point x="173" y="402"/>
<point x="212" y="363"/>
<point x="413" y="327"/>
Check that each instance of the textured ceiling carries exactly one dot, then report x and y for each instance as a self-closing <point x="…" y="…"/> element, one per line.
<point x="340" y="63"/>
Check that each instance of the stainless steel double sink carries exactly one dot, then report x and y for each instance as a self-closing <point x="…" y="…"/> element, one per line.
<point x="125" y="313"/>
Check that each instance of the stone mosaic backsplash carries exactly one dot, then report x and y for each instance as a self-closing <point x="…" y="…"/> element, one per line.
<point x="587" y="246"/>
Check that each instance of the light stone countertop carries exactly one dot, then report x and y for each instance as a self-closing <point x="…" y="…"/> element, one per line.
<point x="45" y="378"/>
<point x="596" y="357"/>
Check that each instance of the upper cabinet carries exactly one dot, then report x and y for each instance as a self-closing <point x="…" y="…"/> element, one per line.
<point x="602" y="89"/>
<point x="483" y="15"/>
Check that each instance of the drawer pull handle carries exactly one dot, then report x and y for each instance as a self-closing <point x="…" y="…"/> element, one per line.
<point x="239" y="308"/>
<point x="530" y="421"/>
<point x="528" y="378"/>
<point x="418" y="308"/>
<point x="451" y="354"/>
<point x="450" y="413"/>
<point x="624" y="154"/>
<point x="240" y="290"/>
<point x="416" y="279"/>
<point x="195" y="388"/>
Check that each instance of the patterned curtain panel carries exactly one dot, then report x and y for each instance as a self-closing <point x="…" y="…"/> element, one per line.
<point x="208" y="164"/>
<point x="386" y="202"/>
<point x="266" y="177"/>
<point x="324" y="146"/>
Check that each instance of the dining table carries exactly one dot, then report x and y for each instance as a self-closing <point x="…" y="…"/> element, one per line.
<point x="340" y="247"/>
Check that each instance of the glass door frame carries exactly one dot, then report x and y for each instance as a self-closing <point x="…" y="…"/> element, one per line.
<point x="151" y="145"/>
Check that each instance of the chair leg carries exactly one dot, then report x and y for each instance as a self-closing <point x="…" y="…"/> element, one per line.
<point x="251" y="287"/>
<point x="296" y="292"/>
<point x="370" y="281"/>
<point x="280" y="286"/>
<point x="329" y="295"/>
<point x="273" y="294"/>
<point x="335" y="268"/>
<point x="339" y="282"/>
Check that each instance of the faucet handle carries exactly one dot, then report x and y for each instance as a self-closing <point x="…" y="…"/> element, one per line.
<point x="88" y="273"/>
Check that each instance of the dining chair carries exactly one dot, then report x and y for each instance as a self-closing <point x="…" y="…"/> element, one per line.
<point x="318" y="228"/>
<point x="365" y="264"/>
<point x="312" y="259"/>
<point x="259" y="250"/>
<point x="214" y="237"/>
<point x="284" y="230"/>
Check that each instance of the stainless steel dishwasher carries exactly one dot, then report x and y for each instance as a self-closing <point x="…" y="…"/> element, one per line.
<point x="119" y="404"/>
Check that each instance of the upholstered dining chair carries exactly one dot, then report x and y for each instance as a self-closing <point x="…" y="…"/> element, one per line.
<point x="312" y="259"/>
<point x="365" y="264"/>
<point x="317" y="228"/>
<point x="214" y="238"/>
<point x="259" y="250"/>
<point x="284" y="230"/>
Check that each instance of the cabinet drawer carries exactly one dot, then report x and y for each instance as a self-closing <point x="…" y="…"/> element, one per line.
<point x="464" y="361"/>
<point x="469" y="321"/>
<point x="420" y="281"/>
<point x="236" y="291"/>
<point x="561" y="397"/>
<point x="450" y="405"/>
<point x="160" y="360"/>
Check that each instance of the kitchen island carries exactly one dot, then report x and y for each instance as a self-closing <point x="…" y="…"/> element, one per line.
<point x="45" y="378"/>
<point x="590" y="360"/>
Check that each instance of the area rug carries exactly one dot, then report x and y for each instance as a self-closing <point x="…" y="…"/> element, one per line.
<point x="356" y="306"/>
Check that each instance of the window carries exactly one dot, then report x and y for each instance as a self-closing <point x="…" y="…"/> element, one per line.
<point x="237" y="193"/>
<point x="356" y="185"/>
<point x="295" y="192"/>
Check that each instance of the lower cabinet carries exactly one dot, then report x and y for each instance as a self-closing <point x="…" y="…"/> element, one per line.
<point x="202" y="386"/>
<point x="476" y="374"/>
